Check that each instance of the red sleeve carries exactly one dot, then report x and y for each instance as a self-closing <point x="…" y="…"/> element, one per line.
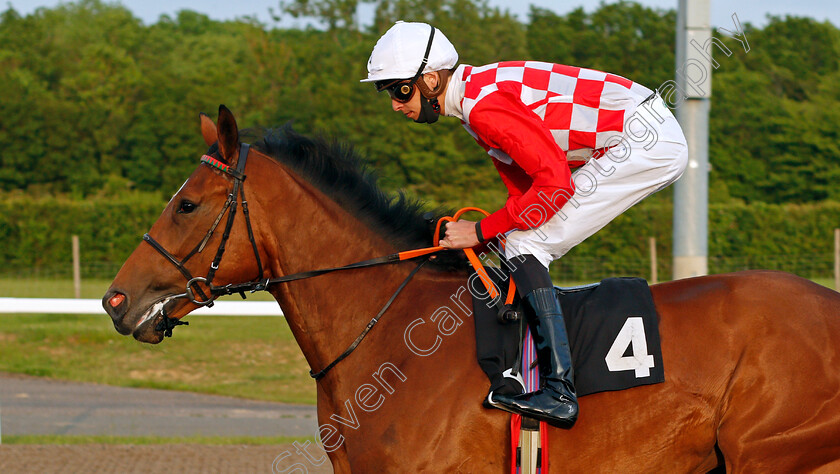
<point x="502" y="121"/>
<point x="516" y="180"/>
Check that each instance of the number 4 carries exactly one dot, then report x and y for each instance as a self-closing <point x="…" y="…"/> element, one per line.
<point x="633" y="332"/>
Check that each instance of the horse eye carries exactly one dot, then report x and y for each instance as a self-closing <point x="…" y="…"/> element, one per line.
<point x="186" y="207"/>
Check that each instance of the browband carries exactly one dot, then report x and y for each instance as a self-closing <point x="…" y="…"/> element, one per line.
<point x="224" y="167"/>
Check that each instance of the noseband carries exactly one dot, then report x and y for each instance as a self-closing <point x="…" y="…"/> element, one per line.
<point x="230" y="208"/>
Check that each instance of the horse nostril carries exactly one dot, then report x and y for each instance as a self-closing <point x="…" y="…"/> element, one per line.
<point x="114" y="303"/>
<point x="116" y="300"/>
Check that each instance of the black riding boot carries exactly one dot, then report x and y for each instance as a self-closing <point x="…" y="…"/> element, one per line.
<point x="555" y="402"/>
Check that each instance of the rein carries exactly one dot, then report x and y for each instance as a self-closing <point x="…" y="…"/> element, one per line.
<point x="253" y="286"/>
<point x="199" y="297"/>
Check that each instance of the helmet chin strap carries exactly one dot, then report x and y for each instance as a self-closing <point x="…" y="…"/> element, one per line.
<point x="429" y="105"/>
<point x="429" y="110"/>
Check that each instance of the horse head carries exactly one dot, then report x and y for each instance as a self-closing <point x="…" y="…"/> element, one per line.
<point x="204" y="223"/>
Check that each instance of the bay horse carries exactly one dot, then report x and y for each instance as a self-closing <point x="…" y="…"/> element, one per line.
<point x="751" y="359"/>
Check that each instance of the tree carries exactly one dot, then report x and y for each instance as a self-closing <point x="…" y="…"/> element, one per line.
<point x="624" y="38"/>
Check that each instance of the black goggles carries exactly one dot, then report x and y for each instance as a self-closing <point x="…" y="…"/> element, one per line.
<point x="401" y="90"/>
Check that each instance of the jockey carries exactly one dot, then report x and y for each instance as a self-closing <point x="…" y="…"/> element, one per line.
<point x="537" y="121"/>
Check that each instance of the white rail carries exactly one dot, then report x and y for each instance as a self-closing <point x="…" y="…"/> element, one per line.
<point x="91" y="306"/>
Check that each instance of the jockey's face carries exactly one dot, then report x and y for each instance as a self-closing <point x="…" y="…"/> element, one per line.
<point x="410" y="109"/>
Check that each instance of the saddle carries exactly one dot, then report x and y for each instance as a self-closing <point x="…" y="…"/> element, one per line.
<point x="613" y="333"/>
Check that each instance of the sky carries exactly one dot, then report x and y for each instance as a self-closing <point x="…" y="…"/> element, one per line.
<point x="753" y="11"/>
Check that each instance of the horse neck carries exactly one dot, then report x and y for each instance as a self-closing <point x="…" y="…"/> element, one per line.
<point x="303" y="229"/>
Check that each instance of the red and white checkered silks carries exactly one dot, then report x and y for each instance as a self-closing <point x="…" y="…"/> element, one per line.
<point x="530" y="115"/>
<point x="583" y="108"/>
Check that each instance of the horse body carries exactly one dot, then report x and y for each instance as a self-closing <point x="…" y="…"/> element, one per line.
<point x="749" y="368"/>
<point x="751" y="359"/>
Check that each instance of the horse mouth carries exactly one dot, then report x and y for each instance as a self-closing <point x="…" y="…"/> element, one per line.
<point x="146" y="329"/>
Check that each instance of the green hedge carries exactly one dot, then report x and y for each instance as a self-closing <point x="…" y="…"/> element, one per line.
<point x="797" y="238"/>
<point x="789" y="237"/>
<point x="37" y="232"/>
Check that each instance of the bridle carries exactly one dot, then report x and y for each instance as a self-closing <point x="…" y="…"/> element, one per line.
<point x="238" y="174"/>
<point x="230" y="208"/>
<point x="259" y="284"/>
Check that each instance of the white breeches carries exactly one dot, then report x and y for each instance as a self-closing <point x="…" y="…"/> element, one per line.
<point x="651" y="155"/>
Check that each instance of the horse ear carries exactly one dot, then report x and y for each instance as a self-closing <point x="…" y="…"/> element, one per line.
<point x="208" y="129"/>
<point x="228" y="135"/>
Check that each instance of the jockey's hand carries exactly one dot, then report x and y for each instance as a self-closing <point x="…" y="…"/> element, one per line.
<point x="460" y="235"/>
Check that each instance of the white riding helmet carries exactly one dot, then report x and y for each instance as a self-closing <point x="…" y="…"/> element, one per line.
<point x="399" y="52"/>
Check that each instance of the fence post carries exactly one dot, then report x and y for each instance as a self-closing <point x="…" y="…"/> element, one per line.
<point x="77" y="273"/>
<point x="837" y="259"/>
<point x="654" y="276"/>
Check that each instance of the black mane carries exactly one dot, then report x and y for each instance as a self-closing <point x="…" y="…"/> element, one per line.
<point x="340" y="173"/>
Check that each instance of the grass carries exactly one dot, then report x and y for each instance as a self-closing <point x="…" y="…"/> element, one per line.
<point x="249" y="357"/>
<point x="145" y="440"/>
<point x="826" y="282"/>
<point x="238" y="356"/>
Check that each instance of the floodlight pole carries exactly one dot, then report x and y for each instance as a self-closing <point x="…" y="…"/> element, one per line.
<point x="691" y="192"/>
